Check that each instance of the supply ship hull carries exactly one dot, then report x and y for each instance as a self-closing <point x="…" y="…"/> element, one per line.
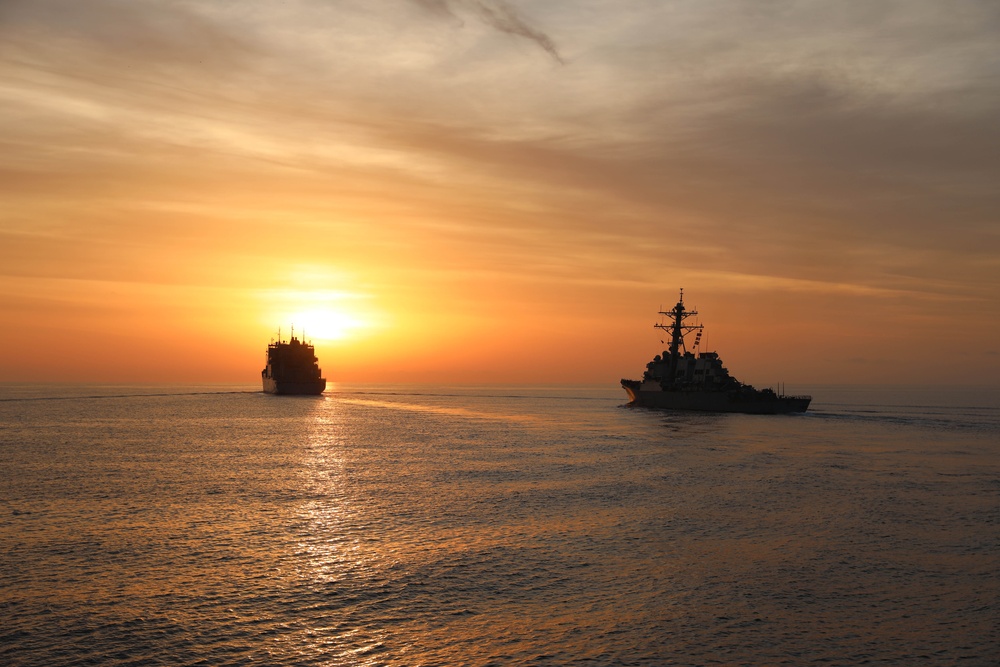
<point x="292" y="369"/>
<point x="680" y="380"/>
<point x="311" y="388"/>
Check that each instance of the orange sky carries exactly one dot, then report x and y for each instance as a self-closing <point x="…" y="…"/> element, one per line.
<point x="498" y="191"/>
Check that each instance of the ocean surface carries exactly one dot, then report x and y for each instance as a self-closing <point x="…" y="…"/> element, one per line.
<point x="440" y="525"/>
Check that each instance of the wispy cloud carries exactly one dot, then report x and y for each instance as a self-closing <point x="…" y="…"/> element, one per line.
<point x="497" y="14"/>
<point x="147" y="34"/>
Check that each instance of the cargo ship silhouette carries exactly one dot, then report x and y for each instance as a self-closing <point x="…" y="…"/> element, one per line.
<point x="291" y="368"/>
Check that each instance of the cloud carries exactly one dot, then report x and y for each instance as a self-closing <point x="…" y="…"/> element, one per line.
<point x="803" y="139"/>
<point x="497" y="14"/>
<point x="147" y="34"/>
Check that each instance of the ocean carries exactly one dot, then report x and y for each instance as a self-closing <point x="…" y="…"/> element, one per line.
<point x="495" y="525"/>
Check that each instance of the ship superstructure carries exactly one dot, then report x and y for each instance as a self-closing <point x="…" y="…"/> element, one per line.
<point x="679" y="379"/>
<point x="292" y="368"/>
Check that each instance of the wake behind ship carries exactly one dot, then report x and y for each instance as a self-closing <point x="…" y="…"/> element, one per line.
<point x="292" y="369"/>
<point x="678" y="380"/>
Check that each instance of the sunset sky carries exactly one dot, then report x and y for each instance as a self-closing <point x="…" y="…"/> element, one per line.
<point x="499" y="190"/>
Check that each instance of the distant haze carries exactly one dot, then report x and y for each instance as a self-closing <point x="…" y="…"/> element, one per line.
<point x="499" y="191"/>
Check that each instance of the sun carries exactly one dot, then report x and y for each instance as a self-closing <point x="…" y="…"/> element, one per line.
<point x="324" y="324"/>
<point x="319" y="315"/>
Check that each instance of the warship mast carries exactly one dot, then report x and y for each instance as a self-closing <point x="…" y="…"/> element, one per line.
<point x="678" y="330"/>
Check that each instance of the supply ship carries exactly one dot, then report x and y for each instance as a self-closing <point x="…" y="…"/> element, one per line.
<point x="679" y="380"/>
<point x="292" y="368"/>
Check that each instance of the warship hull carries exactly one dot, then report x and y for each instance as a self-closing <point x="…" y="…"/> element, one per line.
<point x="289" y="388"/>
<point x="745" y="402"/>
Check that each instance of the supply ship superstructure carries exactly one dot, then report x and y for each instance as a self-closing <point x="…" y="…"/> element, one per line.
<point x="680" y="380"/>
<point x="292" y="368"/>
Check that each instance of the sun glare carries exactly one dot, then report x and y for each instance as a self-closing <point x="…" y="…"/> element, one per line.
<point x="318" y="315"/>
<point x="324" y="324"/>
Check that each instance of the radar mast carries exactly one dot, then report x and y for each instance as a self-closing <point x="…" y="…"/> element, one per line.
<point x="678" y="330"/>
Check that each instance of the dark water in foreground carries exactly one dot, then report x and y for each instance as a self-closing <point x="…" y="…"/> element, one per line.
<point x="496" y="525"/>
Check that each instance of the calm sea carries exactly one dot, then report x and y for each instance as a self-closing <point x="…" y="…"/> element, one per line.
<point x="403" y="525"/>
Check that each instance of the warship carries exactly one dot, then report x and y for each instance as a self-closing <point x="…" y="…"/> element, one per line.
<point x="291" y="368"/>
<point x="680" y="380"/>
